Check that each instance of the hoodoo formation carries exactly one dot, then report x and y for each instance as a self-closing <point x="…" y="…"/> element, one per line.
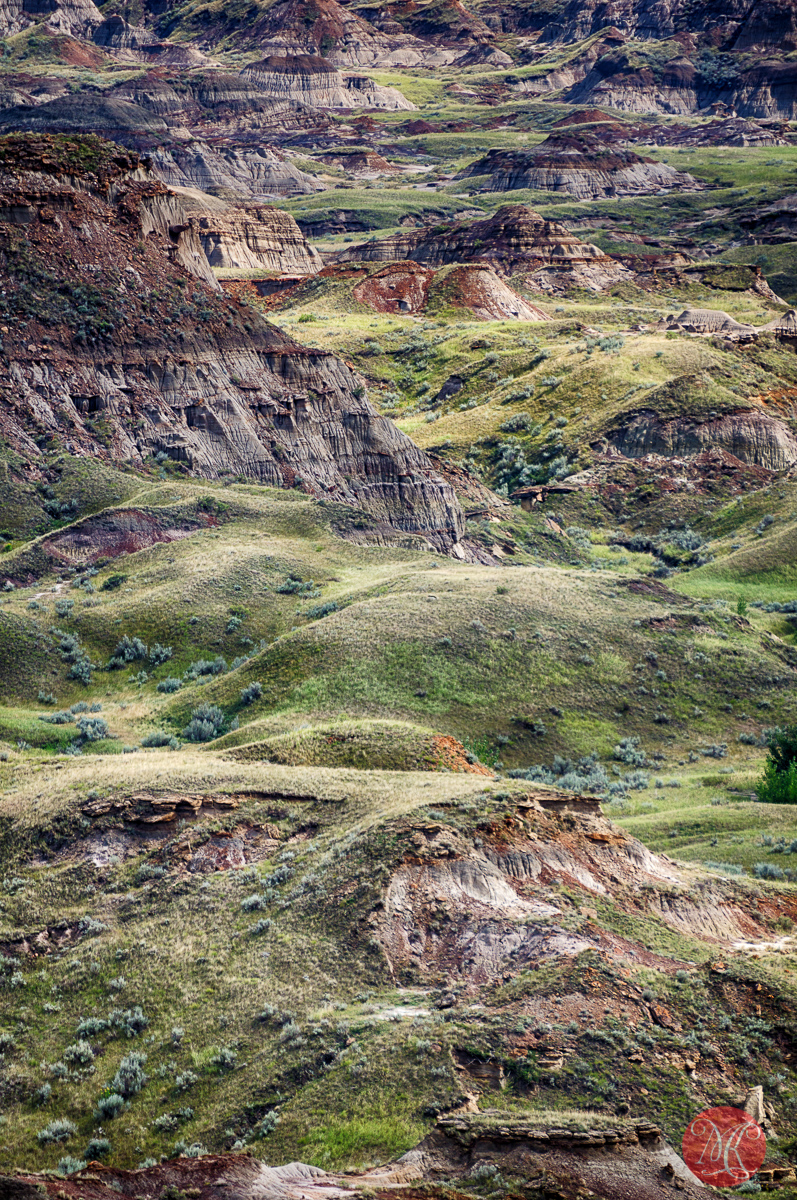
<point x="398" y="599"/>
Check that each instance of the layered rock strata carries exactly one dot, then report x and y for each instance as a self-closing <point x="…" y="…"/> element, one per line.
<point x="580" y="165"/>
<point x="752" y="437"/>
<point x="249" y="236"/>
<point x="233" y="171"/>
<point x="114" y="350"/>
<point x="419" y="35"/>
<point x="311" y="80"/>
<point x="74" y="17"/>
<point x="168" y="108"/>
<point x="515" y="238"/>
<point x="408" y="288"/>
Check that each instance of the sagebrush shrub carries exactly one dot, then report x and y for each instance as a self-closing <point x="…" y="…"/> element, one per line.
<point x="80" y="1053"/>
<point x="130" y="1077"/>
<point x="59" y="1130"/>
<point x="205" y="724"/>
<point x="92" y="729"/>
<point x="109" y="1106"/>
<point x="169" y="685"/>
<point x="98" y="1147"/>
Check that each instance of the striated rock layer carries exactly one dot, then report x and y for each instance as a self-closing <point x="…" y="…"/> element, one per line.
<point x="515" y="238"/>
<point x="408" y="288"/>
<point x="751" y="437"/>
<point x="249" y="236"/>
<point x="232" y="171"/>
<point x="580" y="165"/>
<point x="112" y="348"/>
<point x="313" y="81"/>
<point x="74" y="17"/>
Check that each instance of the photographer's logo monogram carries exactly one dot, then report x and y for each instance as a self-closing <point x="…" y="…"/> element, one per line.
<point x="724" y="1147"/>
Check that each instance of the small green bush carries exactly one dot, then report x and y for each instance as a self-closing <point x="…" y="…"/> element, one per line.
<point x="778" y="787"/>
<point x="169" y="685"/>
<point x="130" y="1078"/>
<point x="112" y="583"/>
<point x="108" y="1107"/>
<point x="59" y="1130"/>
<point x="205" y="724"/>
<point x="80" y="1053"/>
<point x="98" y="1147"/>
<point x="158" y="738"/>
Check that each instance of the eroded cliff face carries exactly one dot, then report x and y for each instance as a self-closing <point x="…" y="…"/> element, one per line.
<point x="74" y="17"/>
<point x="116" y="345"/>
<point x="182" y="114"/>
<point x="750" y="436"/>
<point x="252" y="172"/>
<point x="515" y="238"/>
<point x="313" y="81"/>
<point x="580" y="165"/>
<point x="249" y="236"/>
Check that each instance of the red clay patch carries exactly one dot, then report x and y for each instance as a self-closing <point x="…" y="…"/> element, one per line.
<point x="452" y="754"/>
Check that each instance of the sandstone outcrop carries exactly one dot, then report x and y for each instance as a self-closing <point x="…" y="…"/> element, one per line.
<point x="580" y="165"/>
<point x="312" y="80"/>
<point x="515" y="238"/>
<point x="684" y="85"/>
<point x="772" y="223"/>
<point x="426" y="35"/>
<point x="565" y="1159"/>
<point x="249" y="236"/>
<point x="408" y="288"/>
<point x="150" y="359"/>
<point x="708" y="321"/>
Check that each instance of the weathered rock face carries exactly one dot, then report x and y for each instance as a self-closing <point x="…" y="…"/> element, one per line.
<point x="339" y="34"/>
<point x="250" y="236"/>
<point x="426" y="34"/>
<point x="659" y="19"/>
<point x="75" y="17"/>
<point x="365" y="163"/>
<point x="708" y="321"/>
<point x="165" y="106"/>
<point x="752" y="437"/>
<point x="580" y="165"/>
<point x="155" y="360"/>
<point x="515" y="238"/>
<point x="233" y="171"/>
<point x="683" y="86"/>
<point x="313" y="81"/>
<point x="115" y="33"/>
<point x="407" y="288"/>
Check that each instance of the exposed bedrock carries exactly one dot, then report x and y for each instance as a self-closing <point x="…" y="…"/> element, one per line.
<point x="580" y="165"/>
<point x="75" y="17"/>
<point x="314" y="81"/>
<point x="751" y="436"/>
<point x="247" y="236"/>
<point x="164" y="363"/>
<point x="232" y="171"/>
<point x="515" y="238"/>
<point x="407" y="287"/>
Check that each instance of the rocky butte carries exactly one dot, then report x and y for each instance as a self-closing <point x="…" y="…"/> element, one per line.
<point x="115" y="320"/>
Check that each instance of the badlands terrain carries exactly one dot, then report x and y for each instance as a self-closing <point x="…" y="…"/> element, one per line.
<point x="398" y="593"/>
